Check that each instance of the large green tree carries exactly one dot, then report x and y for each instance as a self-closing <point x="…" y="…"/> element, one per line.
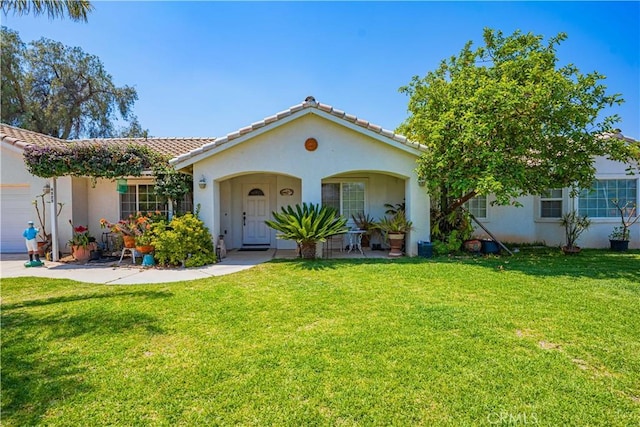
<point x="506" y="119"/>
<point x="60" y="91"/>
<point x="77" y="10"/>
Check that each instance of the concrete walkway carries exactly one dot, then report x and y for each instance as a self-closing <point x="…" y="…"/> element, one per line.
<point x="12" y="265"/>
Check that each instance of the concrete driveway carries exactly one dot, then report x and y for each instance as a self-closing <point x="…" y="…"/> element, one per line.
<point x="12" y="265"/>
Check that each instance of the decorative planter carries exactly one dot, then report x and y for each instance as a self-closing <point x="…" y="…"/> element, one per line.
<point x="395" y="241"/>
<point x="145" y="249"/>
<point x="473" y="245"/>
<point x="619" y="245"/>
<point x="81" y="253"/>
<point x="129" y="241"/>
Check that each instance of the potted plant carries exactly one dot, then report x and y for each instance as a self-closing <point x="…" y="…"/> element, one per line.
<point x="307" y="225"/>
<point x="144" y="242"/>
<point x="619" y="238"/>
<point x="366" y="223"/>
<point x="82" y="243"/>
<point x="574" y="225"/>
<point x="131" y="228"/>
<point x="473" y="245"/>
<point x="395" y="228"/>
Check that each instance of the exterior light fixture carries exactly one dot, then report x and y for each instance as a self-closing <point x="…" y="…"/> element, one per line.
<point x="202" y="183"/>
<point x="47" y="188"/>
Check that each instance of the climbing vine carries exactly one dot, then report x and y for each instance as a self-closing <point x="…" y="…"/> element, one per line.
<point x="109" y="162"/>
<point x="89" y="160"/>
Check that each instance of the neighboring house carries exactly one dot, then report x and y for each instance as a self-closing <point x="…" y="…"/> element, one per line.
<point x="310" y="153"/>
<point x="83" y="203"/>
<point x="538" y="219"/>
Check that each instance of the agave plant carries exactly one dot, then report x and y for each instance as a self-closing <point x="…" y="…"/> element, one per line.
<point x="307" y="225"/>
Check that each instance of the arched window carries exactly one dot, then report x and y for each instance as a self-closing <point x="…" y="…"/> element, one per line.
<point x="256" y="192"/>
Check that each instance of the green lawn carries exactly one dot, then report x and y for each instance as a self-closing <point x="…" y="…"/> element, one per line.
<point x="535" y="339"/>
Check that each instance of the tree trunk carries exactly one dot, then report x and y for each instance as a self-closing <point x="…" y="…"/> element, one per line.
<point x="308" y="250"/>
<point x="461" y="201"/>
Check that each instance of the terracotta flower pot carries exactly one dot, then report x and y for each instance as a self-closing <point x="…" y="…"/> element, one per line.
<point x="396" y="241"/>
<point x="145" y="249"/>
<point x="129" y="241"/>
<point x="80" y="253"/>
<point x="473" y="245"/>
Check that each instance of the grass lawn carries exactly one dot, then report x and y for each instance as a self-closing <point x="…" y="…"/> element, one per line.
<point x="535" y="339"/>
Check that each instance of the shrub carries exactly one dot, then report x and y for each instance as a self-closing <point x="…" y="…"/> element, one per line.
<point x="185" y="241"/>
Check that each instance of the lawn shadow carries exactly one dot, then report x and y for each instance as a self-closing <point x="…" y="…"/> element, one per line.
<point x="319" y="264"/>
<point x="40" y="361"/>
<point x="73" y="298"/>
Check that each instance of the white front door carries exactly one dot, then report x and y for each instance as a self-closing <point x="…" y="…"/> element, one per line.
<point x="255" y="211"/>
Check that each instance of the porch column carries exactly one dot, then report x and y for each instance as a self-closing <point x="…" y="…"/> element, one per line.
<point x="417" y="206"/>
<point x="215" y="212"/>
<point x="311" y="189"/>
<point x="208" y="198"/>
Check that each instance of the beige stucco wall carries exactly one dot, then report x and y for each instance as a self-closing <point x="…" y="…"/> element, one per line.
<point x="523" y="224"/>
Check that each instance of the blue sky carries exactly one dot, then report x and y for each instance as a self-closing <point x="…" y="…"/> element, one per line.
<point x="209" y="68"/>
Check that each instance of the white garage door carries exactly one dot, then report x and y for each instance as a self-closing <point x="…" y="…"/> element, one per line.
<point x="16" y="211"/>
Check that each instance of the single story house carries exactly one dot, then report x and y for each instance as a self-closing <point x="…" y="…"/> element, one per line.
<point x="310" y="152"/>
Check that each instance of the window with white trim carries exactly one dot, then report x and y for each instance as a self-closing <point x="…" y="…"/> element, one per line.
<point x="347" y="197"/>
<point x="551" y="203"/>
<point x="142" y="198"/>
<point x="595" y="202"/>
<point x="477" y="206"/>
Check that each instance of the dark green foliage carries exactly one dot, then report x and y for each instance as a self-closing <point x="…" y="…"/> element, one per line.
<point x="61" y="91"/>
<point x="506" y="119"/>
<point x="95" y="160"/>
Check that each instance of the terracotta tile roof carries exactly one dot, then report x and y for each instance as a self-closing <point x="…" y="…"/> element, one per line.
<point x="172" y="146"/>
<point x="309" y="103"/>
<point x="20" y="138"/>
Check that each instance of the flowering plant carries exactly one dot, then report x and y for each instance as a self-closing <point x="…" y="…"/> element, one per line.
<point x="80" y="236"/>
<point x="138" y="226"/>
